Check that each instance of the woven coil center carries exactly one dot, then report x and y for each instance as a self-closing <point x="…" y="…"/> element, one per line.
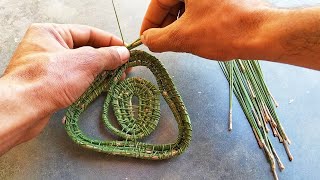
<point x="147" y="111"/>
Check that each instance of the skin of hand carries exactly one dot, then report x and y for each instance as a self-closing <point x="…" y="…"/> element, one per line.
<point x="234" y="29"/>
<point x="51" y="68"/>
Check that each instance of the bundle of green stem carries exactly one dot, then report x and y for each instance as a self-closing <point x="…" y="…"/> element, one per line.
<point x="246" y="81"/>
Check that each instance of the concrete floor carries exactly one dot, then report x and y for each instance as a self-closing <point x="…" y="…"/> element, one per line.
<point x="214" y="152"/>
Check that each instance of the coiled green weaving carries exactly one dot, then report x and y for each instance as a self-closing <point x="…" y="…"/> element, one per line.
<point x="133" y="130"/>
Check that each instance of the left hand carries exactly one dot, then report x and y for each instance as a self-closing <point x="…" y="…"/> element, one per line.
<point x="61" y="61"/>
<point x="51" y="68"/>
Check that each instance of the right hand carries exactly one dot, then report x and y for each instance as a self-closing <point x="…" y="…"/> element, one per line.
<point x="213" y="29"/>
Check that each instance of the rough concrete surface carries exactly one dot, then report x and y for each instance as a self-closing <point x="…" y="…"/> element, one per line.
<point x="214" y="152"/>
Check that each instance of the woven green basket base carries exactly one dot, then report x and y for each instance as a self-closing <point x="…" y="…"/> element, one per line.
<point x="133" y="129"/>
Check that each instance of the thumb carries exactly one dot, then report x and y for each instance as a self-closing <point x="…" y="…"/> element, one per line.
<point x="97" y="60"/>
<point x="114" y="56"/>
<point x="163" y="39"/>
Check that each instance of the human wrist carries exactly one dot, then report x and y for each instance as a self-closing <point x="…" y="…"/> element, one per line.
<point x="16" y="116"/>
<point x="299" y="36"/>
<point x="261" y="41"/>
<point x="285" y="37"/>
<point x="19" y="101"/>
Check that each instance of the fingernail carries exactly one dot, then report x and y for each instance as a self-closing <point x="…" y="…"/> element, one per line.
<point x="124" y="53"/>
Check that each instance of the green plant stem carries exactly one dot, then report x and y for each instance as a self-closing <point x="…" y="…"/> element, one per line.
<point x="134" y="44"/>
<point x="230" y="93"/>
<point x="258" y="105"/>
<point x="115" y="12"/>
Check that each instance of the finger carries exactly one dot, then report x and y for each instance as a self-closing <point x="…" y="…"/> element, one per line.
<point x="129" y="70"/>
<point x="81" y="35"/>
<point x="182" y="10"/>
<point x="172" y="15"/>
<point x="168" y="38"/>
<point x="156" y="13"/>
<point x="123" y="76"/>
<point x="95" y="61"/>
<point x="114" y="56"/>
<point x="71" y="36"/>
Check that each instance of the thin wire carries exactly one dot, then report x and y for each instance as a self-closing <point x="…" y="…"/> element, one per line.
<point x="115" y="12"/>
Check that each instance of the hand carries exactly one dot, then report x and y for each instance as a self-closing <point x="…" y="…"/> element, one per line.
<point x="234" y="29"/>
<point x="51" y="68"/>
<point x="61" y="61"/>
<point x="209" y="28"/>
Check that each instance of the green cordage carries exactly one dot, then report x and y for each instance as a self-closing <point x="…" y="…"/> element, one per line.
<point x="119" y="95"/>
<point x="246" y="80"/>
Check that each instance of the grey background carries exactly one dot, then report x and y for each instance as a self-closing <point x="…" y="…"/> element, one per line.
<point x="214" y="152"/>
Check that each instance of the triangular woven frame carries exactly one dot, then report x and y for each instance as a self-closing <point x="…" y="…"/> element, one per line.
<point x="130" y="146"/>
